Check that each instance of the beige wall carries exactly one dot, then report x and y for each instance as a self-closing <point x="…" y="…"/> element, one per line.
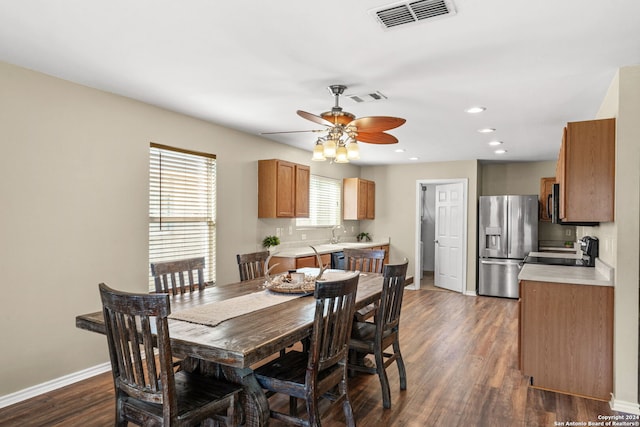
<point x="515" y="177"/>
<point x="396" y="206"/>
<point x="74" y="194"/>
<point x="620" y="241"/>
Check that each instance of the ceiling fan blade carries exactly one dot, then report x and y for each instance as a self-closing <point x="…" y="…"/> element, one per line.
<point x="314" y="118"/>
<point x="376" y="138"/>
<point x="377" y="123"/>
<point x="293" y="131"/>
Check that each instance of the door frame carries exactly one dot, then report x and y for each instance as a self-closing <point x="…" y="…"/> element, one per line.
<point x="464" y="218"/>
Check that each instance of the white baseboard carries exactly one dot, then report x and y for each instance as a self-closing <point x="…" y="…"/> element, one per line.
<point x="470" y="293"/>
<point x="54" y="384"/>
<point x="626" y="407"/>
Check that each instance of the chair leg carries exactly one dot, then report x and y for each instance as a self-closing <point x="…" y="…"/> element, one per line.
<point x="313" y="411"/>
<point x="384" y="381"/>
<point x="293" y="406"/>
<point x="401" y="369"/>
<point x="346" y="404"/>
<point x="120" y="420"/>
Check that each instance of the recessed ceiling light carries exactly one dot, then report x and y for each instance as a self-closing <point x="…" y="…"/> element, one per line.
<point x="500" y="151"/>
<point x="414" y="158"/>
<point x="400" y="150"/>
<point x="495" y="143"/>
<point x="475" y="110"/>
<point x="486" y="130"/>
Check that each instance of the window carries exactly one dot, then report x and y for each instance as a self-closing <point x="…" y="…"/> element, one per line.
<point x="182" y="209"/>
<point x="325" y="196"/>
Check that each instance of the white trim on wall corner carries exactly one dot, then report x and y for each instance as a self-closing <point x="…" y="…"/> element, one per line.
<point x="626" y="407"/>
<point x="54" y="384"/>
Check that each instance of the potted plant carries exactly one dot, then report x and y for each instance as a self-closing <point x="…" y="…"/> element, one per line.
<point x="363" y="236"/>
<point x="270" y="241"/>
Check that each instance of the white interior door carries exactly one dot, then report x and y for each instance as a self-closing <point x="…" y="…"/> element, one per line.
<point x="449" y="240"/>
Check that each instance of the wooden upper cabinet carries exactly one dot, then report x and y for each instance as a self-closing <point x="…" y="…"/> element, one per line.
<point x="546" y="189"/>
<point x="303" y="178"/>
<point x="359" y="199"/>
<point x="586" y="171"/>
<point x="283" y="189"/>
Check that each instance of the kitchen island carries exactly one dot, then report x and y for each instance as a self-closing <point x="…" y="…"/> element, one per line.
<point x="566" y="328"/>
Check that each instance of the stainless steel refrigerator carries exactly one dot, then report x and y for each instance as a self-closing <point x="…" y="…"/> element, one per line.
<point x="507" y="232"/>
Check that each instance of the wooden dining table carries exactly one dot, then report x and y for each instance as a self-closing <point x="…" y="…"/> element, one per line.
<point x="240" y="342"/>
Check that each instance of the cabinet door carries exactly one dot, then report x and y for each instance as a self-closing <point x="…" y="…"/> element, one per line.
<point x="362" y="199"/>
<point x="546" y="188"/>
<point x="560" y="169"/>
<point x="286" y="189"/>
<point x="311" y="261"/>
<point x="303" y="176"/>
<point x="589" y="178"/>
<point x="567" y="337"/>
<point x="306" y="261"/>
<point x="371" y="200"/>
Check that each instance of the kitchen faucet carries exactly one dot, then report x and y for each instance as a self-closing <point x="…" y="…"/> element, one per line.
<point x="335" y="239"/>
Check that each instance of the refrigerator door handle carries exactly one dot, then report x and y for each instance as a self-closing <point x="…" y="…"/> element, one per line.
<point x="500" y="263"/>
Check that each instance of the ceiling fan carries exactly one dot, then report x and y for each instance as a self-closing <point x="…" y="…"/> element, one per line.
<point x="343" y="130"/>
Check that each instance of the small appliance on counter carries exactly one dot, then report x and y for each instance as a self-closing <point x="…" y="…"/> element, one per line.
<point x="588" y="246"/>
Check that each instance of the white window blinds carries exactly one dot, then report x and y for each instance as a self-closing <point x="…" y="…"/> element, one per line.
<point x="182" y="209"/>
<point x="325" y="203"/>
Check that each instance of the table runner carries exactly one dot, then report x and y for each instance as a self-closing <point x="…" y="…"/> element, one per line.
<point x="214" y="313"/>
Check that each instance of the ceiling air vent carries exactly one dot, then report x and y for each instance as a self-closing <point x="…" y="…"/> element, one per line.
<point x="402" y="13"/>
<point x="367" y="97"/>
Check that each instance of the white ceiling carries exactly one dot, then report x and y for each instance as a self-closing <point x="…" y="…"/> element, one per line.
<point x="251" y="64"/>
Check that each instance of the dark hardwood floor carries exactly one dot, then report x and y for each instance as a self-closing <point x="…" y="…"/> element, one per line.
<point x="461" y="358"/>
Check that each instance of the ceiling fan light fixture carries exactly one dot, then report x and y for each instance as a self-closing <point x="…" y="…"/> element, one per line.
<point x="353" y="151"/>
<point x="318" y="152"/>
<point x="330" y="148"/>
<point x="341" y="154"/>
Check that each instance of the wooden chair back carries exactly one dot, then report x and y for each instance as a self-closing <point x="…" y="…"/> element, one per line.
<point x="387" y="317"/>
<point x="368" y="338"/>
<point x="148" y="390"/>
<point x="180" y="276"/>
<point x="335" y="305"/>
<point x="129" y="322"/>
<point x="251" y="265"/>
<point x="320" y="372"/>
<point x="364" y="260"/>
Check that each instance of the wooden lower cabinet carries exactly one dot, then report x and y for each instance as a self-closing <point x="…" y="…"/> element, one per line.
<point x="289" y="263"/>
<point x="566" y="337"/>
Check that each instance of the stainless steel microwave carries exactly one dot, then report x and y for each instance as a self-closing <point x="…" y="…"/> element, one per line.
<point x="553" y="207"/>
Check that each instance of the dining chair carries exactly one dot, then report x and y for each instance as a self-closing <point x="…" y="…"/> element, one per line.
<point x="377" y="336"/>
<point x="321" y="372"/>
<point x="148" y="391"/>
<point x="251" y="265"/>
<point x="179" y="276"/>
<point x="366" y="261"/>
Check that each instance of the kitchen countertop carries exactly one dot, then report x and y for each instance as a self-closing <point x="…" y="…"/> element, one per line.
<point x="600" y="275"/>
<point x="556" y="254"/>
<point x="325" y="248"/>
